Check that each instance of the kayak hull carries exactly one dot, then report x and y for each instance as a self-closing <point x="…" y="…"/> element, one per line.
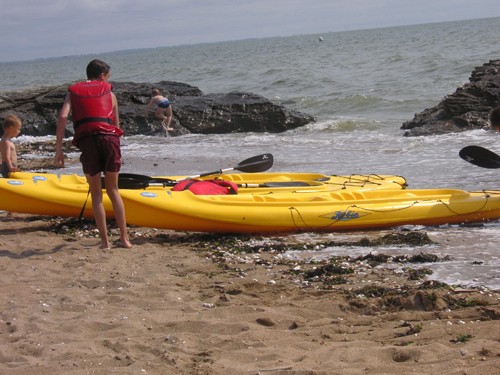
<point x="309" y="212"/>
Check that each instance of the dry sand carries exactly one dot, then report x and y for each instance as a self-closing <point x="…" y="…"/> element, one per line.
<point x="197" y="304"/>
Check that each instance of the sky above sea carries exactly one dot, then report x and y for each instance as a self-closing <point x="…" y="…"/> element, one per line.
<point x="33" y="29"/>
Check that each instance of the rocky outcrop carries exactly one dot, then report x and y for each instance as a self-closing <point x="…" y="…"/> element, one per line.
<point x="467" y="108"/>
<point x="193" y="111"/>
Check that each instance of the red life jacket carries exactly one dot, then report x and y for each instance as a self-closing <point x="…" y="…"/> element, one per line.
<point x="207" y="187"/>
<point x="92" y="109"/>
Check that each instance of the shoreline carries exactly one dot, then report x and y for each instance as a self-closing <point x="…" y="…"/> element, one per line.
<point x="209" y="304"/>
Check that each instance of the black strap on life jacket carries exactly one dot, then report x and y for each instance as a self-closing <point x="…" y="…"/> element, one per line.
<point x="93" y="119"/>
<point x="186" y="187"/>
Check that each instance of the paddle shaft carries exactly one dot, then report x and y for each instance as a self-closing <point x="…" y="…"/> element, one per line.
<point x="219" y="171"/>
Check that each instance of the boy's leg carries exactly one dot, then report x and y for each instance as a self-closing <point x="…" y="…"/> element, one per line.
<point x="111" y="179"/>
<point x="95" y="187"/>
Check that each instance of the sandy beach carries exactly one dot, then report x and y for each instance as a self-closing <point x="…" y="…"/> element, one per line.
<point x="187" y="303"/>
<point x="180" y="303"/>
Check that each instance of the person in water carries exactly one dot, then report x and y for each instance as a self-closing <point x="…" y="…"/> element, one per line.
<point x="96" y="123"/>
<point x="11" y="129"/>
<point x="163" y="109"/>
<point x="495" y="118"/>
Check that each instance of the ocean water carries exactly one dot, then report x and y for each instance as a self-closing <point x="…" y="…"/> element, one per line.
<point x="360" y="86"/>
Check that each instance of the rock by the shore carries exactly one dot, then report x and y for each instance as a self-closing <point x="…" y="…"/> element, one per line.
<point x="193" y="111"/>
<point x="466" y="109"/>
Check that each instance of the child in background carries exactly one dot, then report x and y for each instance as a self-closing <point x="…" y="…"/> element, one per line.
<point x="495" y="118"/>
<point x="11" y="129"/>
<point x="163" y="110"/>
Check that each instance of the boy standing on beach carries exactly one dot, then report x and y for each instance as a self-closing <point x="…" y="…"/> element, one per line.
<point x="11" y="129"/>
<point x="163" y="110"/>
<point x="97" y="134"/>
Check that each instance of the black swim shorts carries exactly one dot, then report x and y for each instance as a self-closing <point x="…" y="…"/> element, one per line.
<point x="100" y="153"/>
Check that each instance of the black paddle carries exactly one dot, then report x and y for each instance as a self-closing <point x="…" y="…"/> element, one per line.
<point x="259" y="163"/>
<point x="125" y="180"/>
<point x="139" y="181"/>
<point x="480" y="156"/>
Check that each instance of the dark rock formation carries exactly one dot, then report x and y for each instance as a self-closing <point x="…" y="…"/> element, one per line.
<point x="466" y="109"/>
<point x="193" y="112"/>
<point x="234" y="113"/>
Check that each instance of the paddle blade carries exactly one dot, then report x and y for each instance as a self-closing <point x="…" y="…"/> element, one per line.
<point x="131" y="177"/>
<point x="259" y="163"/>
<point x="139" y="181"/>
<point x="480" y="156"/>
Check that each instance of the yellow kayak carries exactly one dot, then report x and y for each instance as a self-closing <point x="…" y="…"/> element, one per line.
<point x="258" y="210"/>
<point x="67" y="195"/>
<point x="308" y="211"/>
<point x="247" y="182"/>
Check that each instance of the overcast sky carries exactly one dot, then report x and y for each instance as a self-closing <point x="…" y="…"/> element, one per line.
<point x="32" y="29"/>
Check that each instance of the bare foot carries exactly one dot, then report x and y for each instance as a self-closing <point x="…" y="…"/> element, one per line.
<point x="125" y="242"/>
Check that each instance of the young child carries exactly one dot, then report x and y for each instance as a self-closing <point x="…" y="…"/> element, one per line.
<point x="163" y="110"/>
<point x="11" y="129"/>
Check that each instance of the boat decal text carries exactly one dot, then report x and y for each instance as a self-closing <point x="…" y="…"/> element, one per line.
<point x="343" y="215"/>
